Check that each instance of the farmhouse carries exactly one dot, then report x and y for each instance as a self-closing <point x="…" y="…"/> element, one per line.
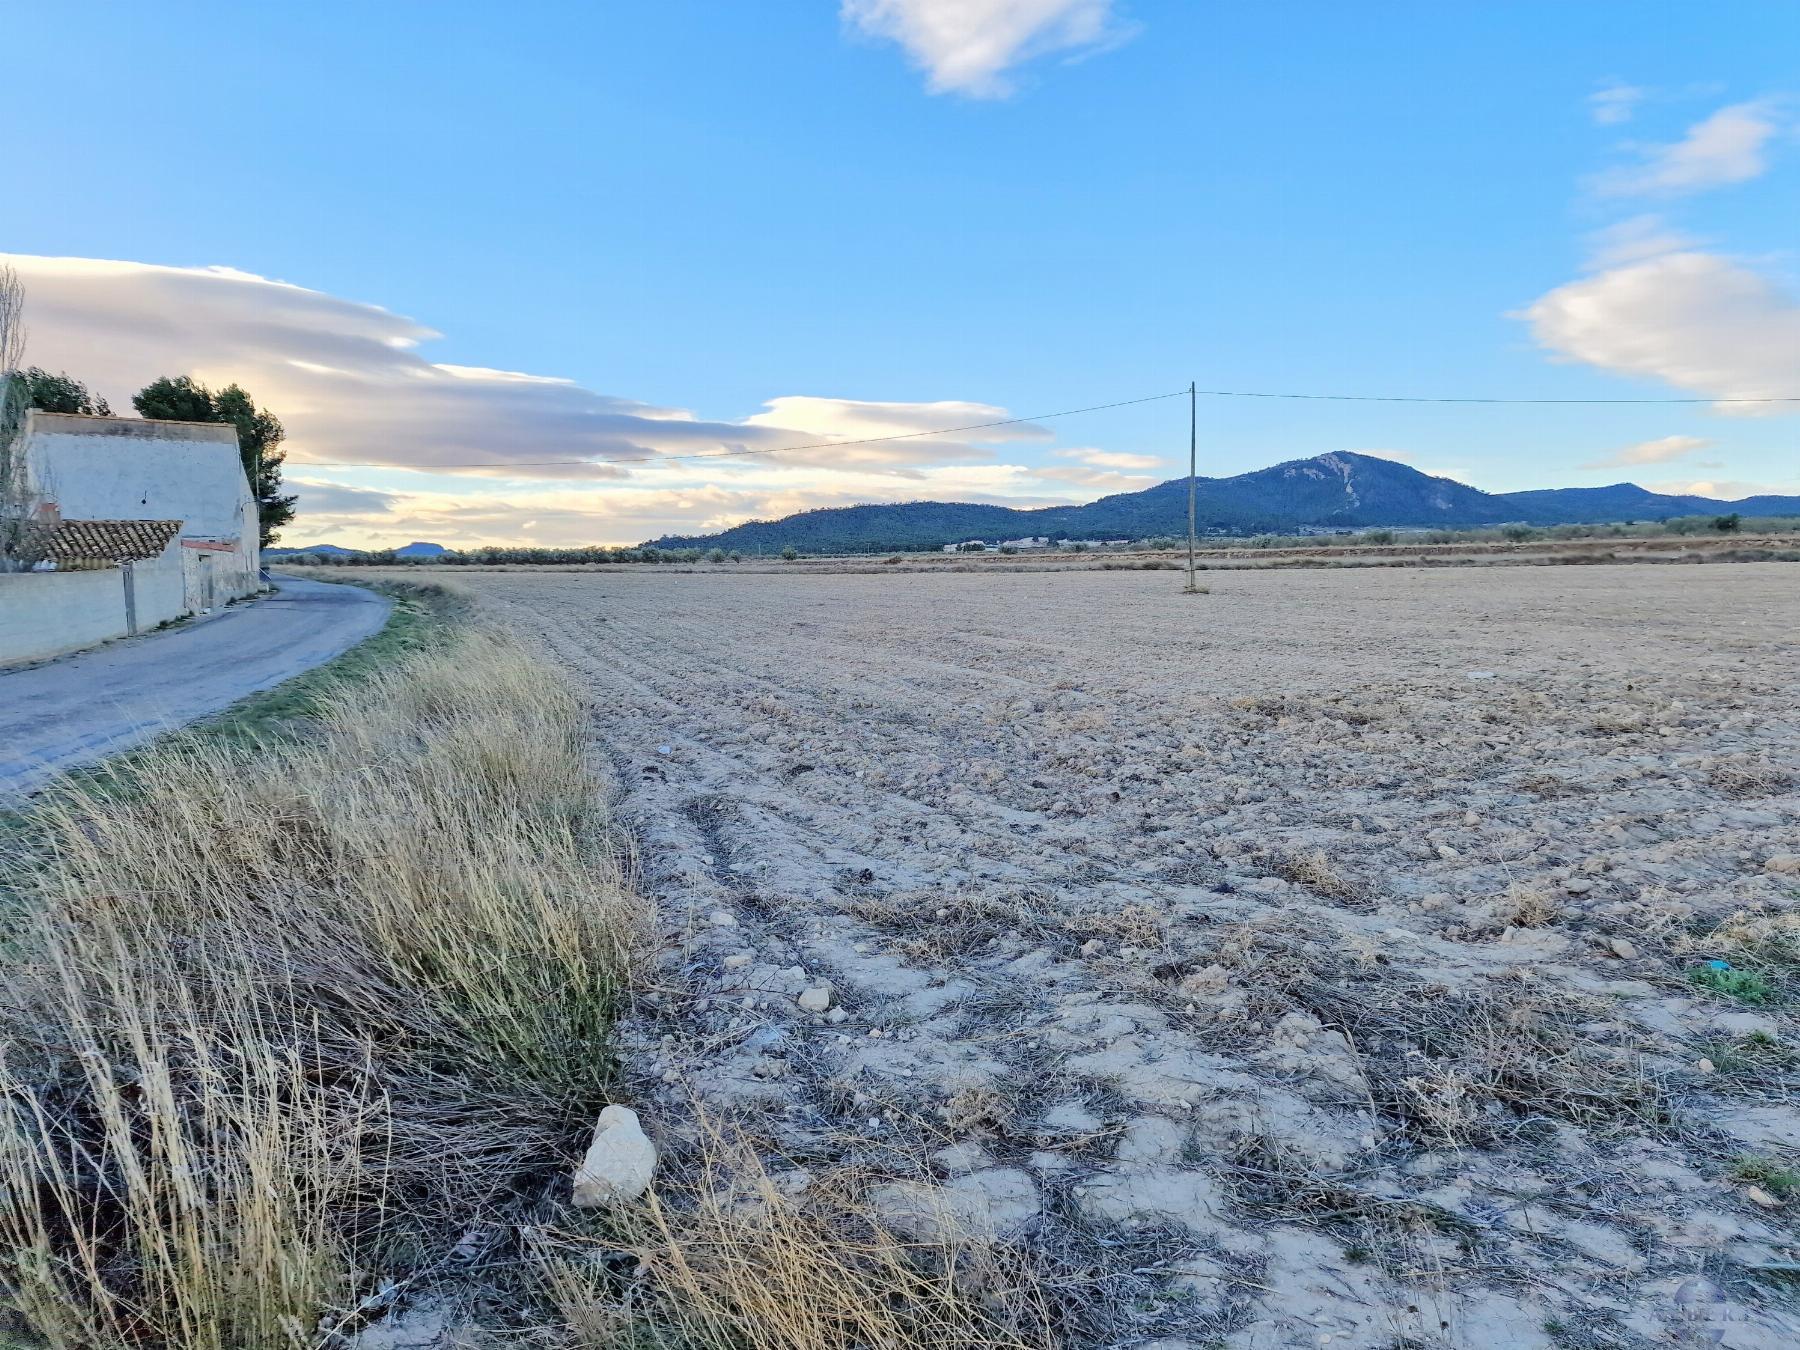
<point x="133" y="523"/>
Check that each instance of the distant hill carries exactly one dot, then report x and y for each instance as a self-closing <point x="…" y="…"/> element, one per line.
<point x="332" y="549"/>
<point x="1341" y="489"/>
<point x="416" y="549"/>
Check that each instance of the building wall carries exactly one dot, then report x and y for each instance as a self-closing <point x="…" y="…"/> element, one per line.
<point x="121" y="468"/>
<point x="45" y="614"/>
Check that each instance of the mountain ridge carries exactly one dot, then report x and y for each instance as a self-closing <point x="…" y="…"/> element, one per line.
<point x="1340" y="489"/>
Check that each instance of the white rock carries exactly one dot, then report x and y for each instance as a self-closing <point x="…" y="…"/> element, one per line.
<point x="1783" y="862"/>
<point x="836" y="1015"/>
<point x="1761" y="1197"/>
<point x="815" y="1000"/>
<point x="723" y="918"/>
<point x="737" y="960"/>
<point x="619" y="1163"/>
<point x="1622" y="949"/>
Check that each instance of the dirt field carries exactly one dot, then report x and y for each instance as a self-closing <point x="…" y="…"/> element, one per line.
<point x="1312" y="962"/>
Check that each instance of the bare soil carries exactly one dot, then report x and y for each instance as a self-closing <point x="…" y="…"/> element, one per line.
<point x="1318" y="961"/>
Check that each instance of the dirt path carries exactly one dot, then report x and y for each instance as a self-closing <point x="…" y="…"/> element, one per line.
<point x="1309" y="963"/>
<point x="80" y="708"/>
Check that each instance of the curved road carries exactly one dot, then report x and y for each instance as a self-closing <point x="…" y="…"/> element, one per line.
<point x="80" y="708"/>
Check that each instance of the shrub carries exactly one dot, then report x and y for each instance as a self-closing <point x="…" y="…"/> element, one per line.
<point x="789" y="553"/>
<point x="1746" y="986"/>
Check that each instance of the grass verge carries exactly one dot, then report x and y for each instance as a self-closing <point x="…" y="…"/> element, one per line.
<point x="301" y="996"/>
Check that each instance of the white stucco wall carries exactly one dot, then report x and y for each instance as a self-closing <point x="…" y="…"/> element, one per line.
<point x="122" y="468"/>
<point x="44" y="614"/>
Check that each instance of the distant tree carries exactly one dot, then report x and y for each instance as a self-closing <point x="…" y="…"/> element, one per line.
<point x="1727" y="524"/>
<point x="60" y="393"/>
<point x="184" y="399"/>
<point x="789" y="553"/>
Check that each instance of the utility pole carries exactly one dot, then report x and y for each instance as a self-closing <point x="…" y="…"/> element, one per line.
<point x="1193" y="474"/>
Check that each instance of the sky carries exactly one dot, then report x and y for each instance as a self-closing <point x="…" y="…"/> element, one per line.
<point x="532" y="238"/>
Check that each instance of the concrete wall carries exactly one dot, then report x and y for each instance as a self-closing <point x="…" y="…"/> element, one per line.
<point x="44" y="614"/>
<point x="122" y="468"/>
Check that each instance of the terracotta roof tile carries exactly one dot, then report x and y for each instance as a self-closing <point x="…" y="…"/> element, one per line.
<point x="103" y="541"/>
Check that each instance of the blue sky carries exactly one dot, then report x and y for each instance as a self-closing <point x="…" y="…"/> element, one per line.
<point x="724" y="225"/>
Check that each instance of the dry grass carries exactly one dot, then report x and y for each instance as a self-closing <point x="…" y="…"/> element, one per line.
<point x="1744" y="777"/>
<point x="289" y="1018"/>
<point x="732" y="1258"/>
<point x="1528" y="905"/>
<point x="1465" y="1066"/>
<point x="1316" y="871"/>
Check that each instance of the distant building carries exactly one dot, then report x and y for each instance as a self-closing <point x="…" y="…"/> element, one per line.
<point x="134" y="523"/>
<point x="1034" y="541"/>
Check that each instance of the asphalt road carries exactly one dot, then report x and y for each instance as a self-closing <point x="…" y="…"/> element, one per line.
<point x="81" y="708"/>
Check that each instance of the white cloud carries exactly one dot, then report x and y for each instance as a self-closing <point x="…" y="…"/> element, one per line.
<point x="315" y="497"/>
<point x="1635" y="240"/>
<point x="968" y="46"/>
<point x="1111" y="459"/>
<point x="1615" y="102"/>
<point x="1659" y="451"/>
<point x="1098" y="481"/>
<point x="345" y="377"/>
<point x="1694" y="320"/>
<point x="1724" y="148"/>
<point x="1722" y="490"/>
<point x="352" y="387"/>
<point x="918" y="431"/>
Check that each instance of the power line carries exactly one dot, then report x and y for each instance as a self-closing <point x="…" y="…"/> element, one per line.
<point x="1010" y="422"/>
<point x="731" y="454"/>
<point x="1403" y="398"/>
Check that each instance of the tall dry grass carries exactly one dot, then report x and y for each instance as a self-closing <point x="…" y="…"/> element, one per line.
<point x="730" y="1258"/>
<point x="286" y="1020"/>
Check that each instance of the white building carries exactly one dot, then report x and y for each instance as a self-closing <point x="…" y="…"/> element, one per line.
<point x="89" y="481"/>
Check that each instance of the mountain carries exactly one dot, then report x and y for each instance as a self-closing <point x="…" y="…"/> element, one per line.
<point x="331" y="549"/>
<point x="1338" y="490"/>
<point x="415" y="549"/>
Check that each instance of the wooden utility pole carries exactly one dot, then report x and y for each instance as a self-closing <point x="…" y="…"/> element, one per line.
<point x="1193" y="473"/>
